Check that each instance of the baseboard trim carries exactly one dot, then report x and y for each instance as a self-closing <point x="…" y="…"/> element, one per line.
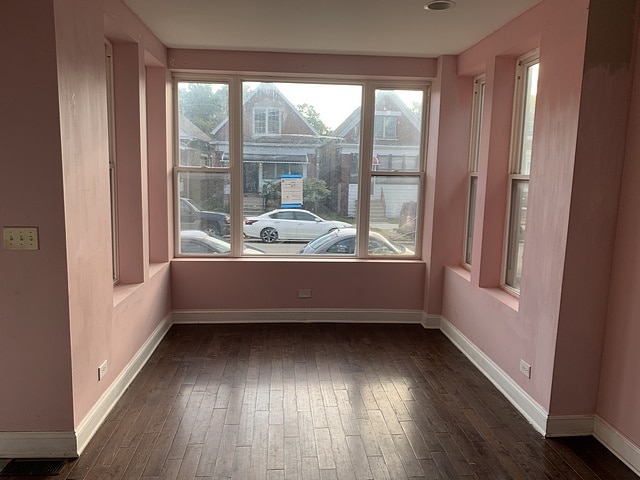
<point x="569" y="425"/>
<point x="92" y="421"/>
<point x="38" y="445"/>
<point x="617" y="443"/>
<point x="520" y="399"/>
<point x="298" y="316"/>
<point x="431" y="322"/>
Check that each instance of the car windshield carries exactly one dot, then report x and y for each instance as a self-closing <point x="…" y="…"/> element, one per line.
<point x="315" y="244"/>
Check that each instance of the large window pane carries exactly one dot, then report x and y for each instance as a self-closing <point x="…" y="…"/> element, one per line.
<point x="300" y="150"/>
<point x="471" y="213"/>
<point x="203" y="130"/>
<point x="393" y="215"/>
<point x="529" y="102"/>
<point x="204" y="202"/>
<point x="517" y="224"/>
<point x="397" y="130"/>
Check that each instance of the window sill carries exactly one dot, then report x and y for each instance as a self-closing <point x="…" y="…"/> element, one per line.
<point x="300" y="259"/>
<point x="505" y="297"/>
<point x="122" y="291"/>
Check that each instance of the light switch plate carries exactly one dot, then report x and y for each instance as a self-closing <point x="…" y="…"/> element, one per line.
<point x="20" y="238"/>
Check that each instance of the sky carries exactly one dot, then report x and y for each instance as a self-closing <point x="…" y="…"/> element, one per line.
<point x="334" y="103"/>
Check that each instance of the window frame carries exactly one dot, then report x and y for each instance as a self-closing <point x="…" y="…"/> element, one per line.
<point x="477" y="109"/>
<point x="516" y="175"/>
<point x="113" y="171"/>
<point x="235" y="167"/>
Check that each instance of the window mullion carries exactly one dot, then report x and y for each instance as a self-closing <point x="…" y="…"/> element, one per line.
<point x="366" y="156"/>
<point x="235" y="165"/>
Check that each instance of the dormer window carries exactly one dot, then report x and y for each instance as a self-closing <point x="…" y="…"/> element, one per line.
<point x="266" y="121"/>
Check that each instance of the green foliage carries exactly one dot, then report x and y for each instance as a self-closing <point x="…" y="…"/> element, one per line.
<point x="313" y="117"/>
<point x="203" y="106"/>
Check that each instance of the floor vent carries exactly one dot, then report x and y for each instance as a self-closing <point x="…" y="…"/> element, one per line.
<point x="32" y="468"/>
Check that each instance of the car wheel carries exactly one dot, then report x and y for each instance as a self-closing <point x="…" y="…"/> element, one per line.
<point x="213" y="230"/>
<point x="269" y="235"/>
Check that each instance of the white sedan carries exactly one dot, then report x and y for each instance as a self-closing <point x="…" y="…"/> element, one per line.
<point x="289" y="224"/>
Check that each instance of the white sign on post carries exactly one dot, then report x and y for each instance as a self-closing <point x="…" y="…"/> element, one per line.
<point x="291" y="189"/>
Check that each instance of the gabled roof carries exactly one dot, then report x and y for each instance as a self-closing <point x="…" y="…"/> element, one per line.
<point x="354" y="118"/>
<point x="262" y="87"/>
<point x="188" y="130"/>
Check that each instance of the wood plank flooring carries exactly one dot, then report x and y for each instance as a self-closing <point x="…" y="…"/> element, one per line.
<point x="323" y="402"/>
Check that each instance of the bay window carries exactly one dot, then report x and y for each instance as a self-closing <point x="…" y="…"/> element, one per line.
<point x="343" y="158"/>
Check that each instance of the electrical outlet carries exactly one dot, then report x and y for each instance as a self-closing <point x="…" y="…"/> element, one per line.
<point x="102" y="370"/>
<point x="525" y="369"/>
<point x="20" y="238"/>
<point x="304" y="293"/>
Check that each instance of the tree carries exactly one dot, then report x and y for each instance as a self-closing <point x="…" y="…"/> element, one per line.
<point x="203" y="106"/>
<point x="313" y="117"/>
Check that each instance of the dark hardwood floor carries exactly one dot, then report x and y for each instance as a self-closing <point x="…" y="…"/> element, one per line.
<point x="320" y="402"/>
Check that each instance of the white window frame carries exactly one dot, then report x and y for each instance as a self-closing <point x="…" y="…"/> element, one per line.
<point x="474" y="156"/>
<point x="516" y="174"/>
<point x="235" y="168"/>
<point x="113" y="171"/>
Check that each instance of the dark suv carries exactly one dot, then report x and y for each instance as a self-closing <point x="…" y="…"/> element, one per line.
<point x="192" y="218"/>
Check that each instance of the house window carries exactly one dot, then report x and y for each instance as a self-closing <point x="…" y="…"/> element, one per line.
<point x="521" y="155"/>
<point x="474" y="153"/>
<point x="386" y="125"/>
<point x="113" y="197"/>
<point x="202" y="172"/>
<point x="266" y="121"/>
<point x="310" y="163"/>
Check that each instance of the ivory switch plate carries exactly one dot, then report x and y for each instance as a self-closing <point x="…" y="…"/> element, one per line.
<point x="20" y="238"/>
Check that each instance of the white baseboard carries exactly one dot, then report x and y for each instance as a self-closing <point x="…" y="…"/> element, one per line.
<point x="107" y="401"/>
<point x="38" y="445"/>
<point x="618" y="444"/>
<point x="299" y="316"/>
<point x="431" y="322"/>
<point x="569" y="425"/>
<point x="527" y="406"/>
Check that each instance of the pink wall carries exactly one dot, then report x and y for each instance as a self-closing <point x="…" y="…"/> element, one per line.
<point x="504" y="328"/>
<point x="619" y="394"/>
<point x="446" y="182"/>
<point x="35" y="353"/>
<point x="268" y="284"/>
<point x="600" y="150"/>
<point x="59" y="312"/>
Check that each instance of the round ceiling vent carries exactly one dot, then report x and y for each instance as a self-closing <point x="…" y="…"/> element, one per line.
<point x="440" y="5"/>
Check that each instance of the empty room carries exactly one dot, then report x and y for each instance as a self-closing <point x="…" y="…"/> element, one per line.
<point x="269" y="240"/>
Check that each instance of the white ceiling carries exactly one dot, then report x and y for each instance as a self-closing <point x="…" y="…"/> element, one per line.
<point x="367" y="27"/>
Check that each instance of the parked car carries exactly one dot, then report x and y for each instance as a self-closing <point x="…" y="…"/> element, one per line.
<point x="192" y="217"/>
<point x="407" y="220"/>
<point x="343" y="242"/>
<point x="200" y="243"/>
<point x="289" y="224"/>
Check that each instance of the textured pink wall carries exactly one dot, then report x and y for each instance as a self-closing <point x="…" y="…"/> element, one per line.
<point x="35" y="355"/>
<point x="492" y="320"/>
<point x="600" y="150"/>
<point x="446" y="183"/>
<point x="619" y="394"/>
<point x="57" y="311"/>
